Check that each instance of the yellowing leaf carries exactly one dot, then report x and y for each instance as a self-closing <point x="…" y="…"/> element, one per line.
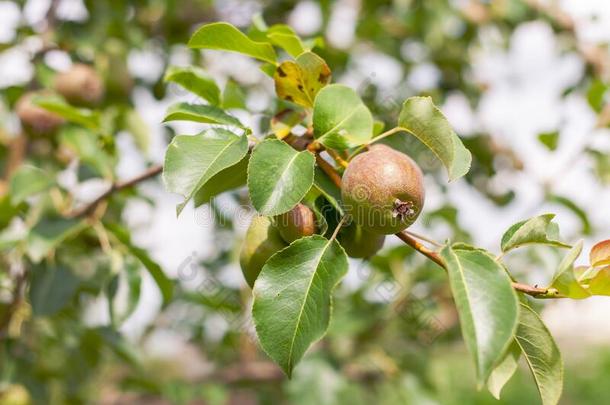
<point x="283" y="122"/>
<point x="300" y="81"/>
<point x="600" y="254"/>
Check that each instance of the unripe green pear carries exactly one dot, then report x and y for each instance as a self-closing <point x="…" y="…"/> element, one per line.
<point x="15" y="394"/>
<point x="383" y="190"/>
<point x="296" y="223"/>
<point x="81" y="85"/>
<point x="360" y="243"/>
<point x="36" y="120"/>
<point x="261" y="242"/>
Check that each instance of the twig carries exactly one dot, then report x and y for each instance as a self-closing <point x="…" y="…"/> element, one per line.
<point x="431" y="254"/>
<point x="89" y="208"/>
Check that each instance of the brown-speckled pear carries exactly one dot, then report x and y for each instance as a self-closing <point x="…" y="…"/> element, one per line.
<point x="360" y="243"/>
<point x="383" y="190"/>
<point x="296" y="223"/>
<point x="81" y="85"/>
<point x="36" y="120"/>
<point x="261" y="242"/>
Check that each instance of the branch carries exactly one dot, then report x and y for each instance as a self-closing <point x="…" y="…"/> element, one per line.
<point x="534" y="291"/>
<point x="89" y="208"/>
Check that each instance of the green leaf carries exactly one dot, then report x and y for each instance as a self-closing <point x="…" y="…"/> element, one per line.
<point x="600" y="283"/>
<point x="549" y="139"/>
<point x="137" y="127"/>
<point x="504" y="371"/>
<point x="81" y="116"/>
<point x="292" y="297"/>
<point x="278" y="176"/>
<point x="340" y="118"/>
<point x="191" y="161"/>
<point x="587" y="229"/>
<point x="538" y="229"/>
<point x="233" y="96"/>
<point x="227" y="179"/>
<point x="52" y="287"/>
<point x="300" y="81"/>
<point x="420" y="117"/>
<point x="328" y="189"/>
<point x="131" y="280"/>
<point x="196" y="81"/>
<point x="284" y="36"/>
<point x="50" y="233"/>
<point x="224" y="36"/>
<point x="28" y="181"/>
<point x="486" y="303"/>
<point x="86" y="145"/>
<point x="166" y="286"/>
<point x="565" y="280"/>
<point x="206" y="114"/>
<point x="542" y="355"/>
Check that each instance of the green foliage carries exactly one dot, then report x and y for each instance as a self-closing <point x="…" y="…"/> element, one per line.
<point x="191" y="161"/>
<point x="487" y="305"/>
<point x="298" y="279"/>
<point x="340" y="118"/>
<point x="540" y="230"/>
<point x="393" y="334"/>
<point x="224" y="36"/>
<point x="278" y="177"/>
<point x="421" y="118"/>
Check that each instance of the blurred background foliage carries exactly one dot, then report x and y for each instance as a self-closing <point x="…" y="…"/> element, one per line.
<point x="90" y="314"/>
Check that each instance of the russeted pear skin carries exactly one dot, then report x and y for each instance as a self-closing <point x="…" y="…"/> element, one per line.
<point x="360" y="243"/>
<point x="261" y="242"/>
<point x="81" y="85"/>
<point x="383" y="190"/>
<point x="36" y="120"/>
<point x="296" y="223"/>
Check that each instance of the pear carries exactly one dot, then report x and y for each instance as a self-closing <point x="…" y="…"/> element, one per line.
<point x="81" y="85"/>
<point x="261" y="242"/>
<point x="36" y="120"/>
<point x="360" y="243"/>
<point x="296" y="223"/>
<point x="383" y="190"/>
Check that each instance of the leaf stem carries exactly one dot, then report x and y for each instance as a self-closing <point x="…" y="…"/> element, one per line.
<point x="338" y="228"/>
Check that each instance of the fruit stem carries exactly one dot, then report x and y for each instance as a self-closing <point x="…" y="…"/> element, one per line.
<point x="375" y="139"/>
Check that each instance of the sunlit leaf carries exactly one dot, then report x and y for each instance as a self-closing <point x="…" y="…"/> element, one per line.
<point x="565" y="280"/>
<point x="502" y="373"/>
<point x="536" y="230"/>
<point x="278" y="176"/>
<point x="191" y="161"/>
<point x="224" y="36"/>
<point x="340" y="118"/>
<point x="542" y="355"/>
<point x="486" y="303"/>
<point x="284" y="36"/>
<point x="200" y="113"/>
<point x="196" y="81"/>
<point x="420" y="117"/>
<point x="292" y="297"/>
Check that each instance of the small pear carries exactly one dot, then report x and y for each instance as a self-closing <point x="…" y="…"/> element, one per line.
<point x="261" y="242"/>
<point x="296" y="223"/>
<point x="383" y="190"/>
